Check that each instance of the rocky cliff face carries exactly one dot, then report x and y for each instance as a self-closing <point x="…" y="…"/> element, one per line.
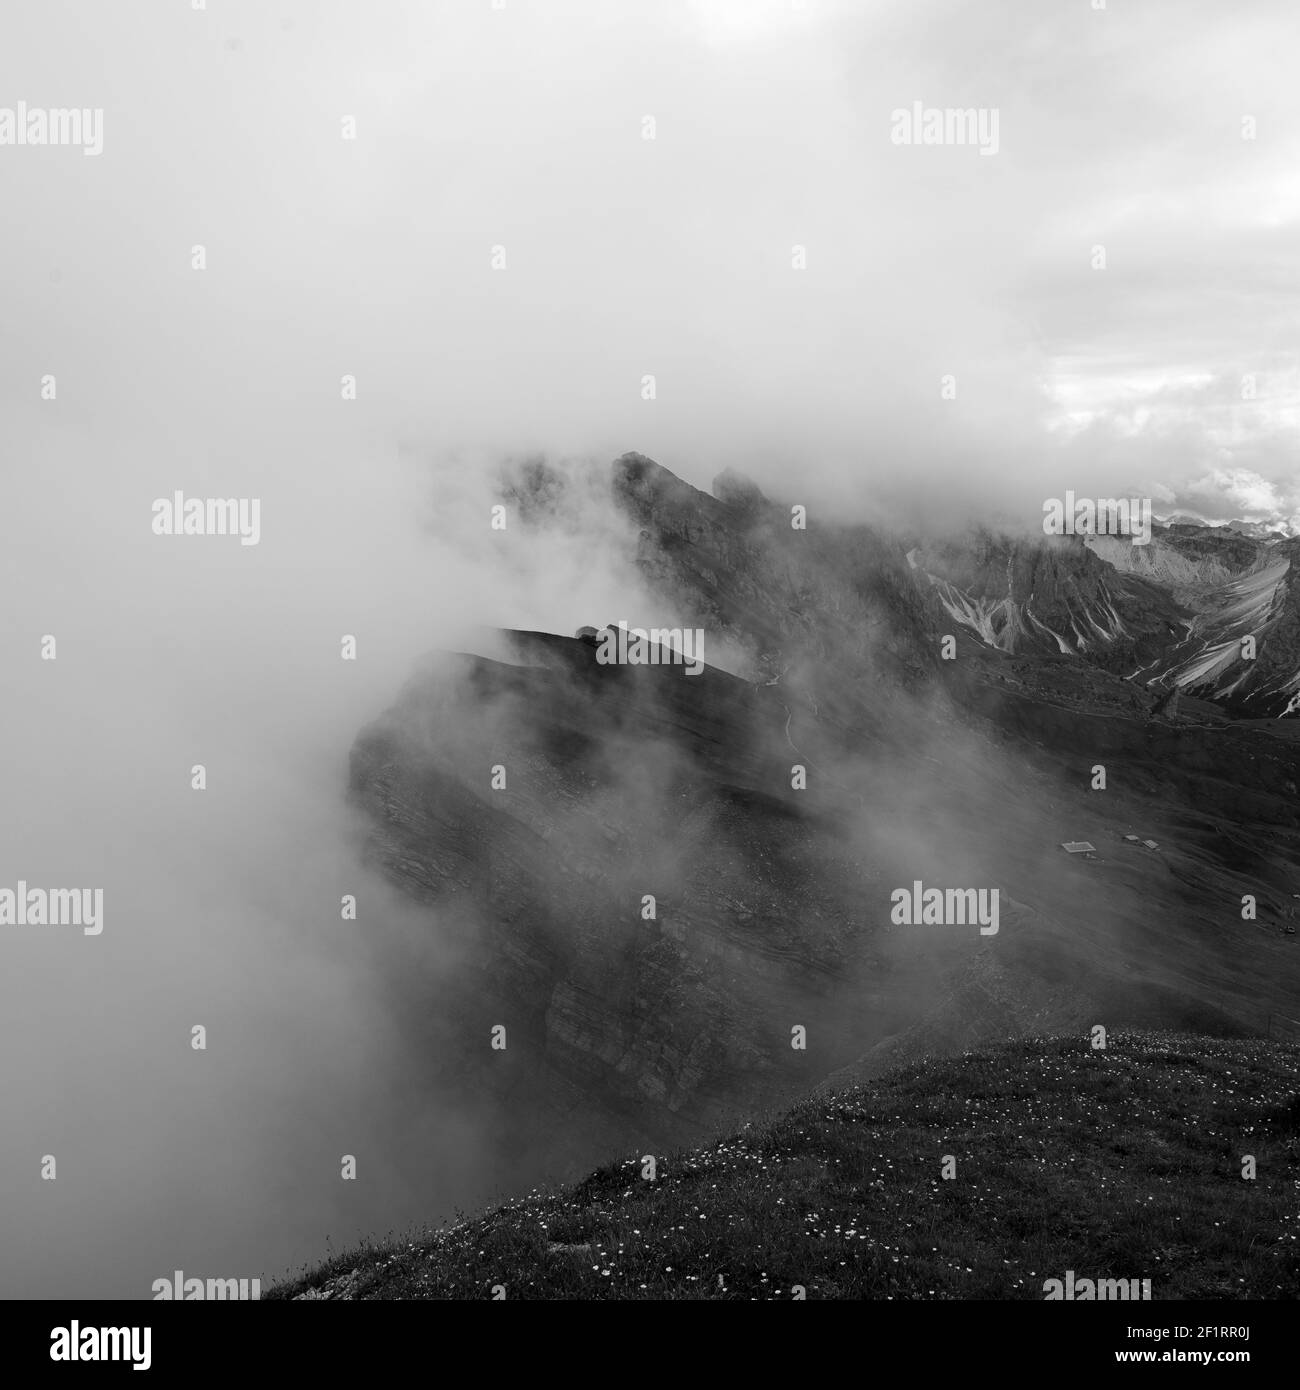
<point x="1051" y="596"/>
<point x="841" y="600"/>
<point x="1181" y="611"/>
<point x="535" y="807"/>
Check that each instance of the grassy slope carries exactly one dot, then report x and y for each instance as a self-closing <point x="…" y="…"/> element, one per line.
<point x="1123" y="1163"/>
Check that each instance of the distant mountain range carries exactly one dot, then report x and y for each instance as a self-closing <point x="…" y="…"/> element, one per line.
<point x="1207" y="609"/>
<point x="1276" y="529"/>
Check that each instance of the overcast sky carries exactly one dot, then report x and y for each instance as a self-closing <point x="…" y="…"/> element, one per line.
<point x="522" y="127"/>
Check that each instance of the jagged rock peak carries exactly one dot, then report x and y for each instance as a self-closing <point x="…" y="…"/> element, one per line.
<point x="642" y="471"/>
<point x="658" y="498"/>
<point x="736" y="490"/>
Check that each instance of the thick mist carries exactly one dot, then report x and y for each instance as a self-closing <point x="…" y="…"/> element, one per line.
<point x="222" y="906"/>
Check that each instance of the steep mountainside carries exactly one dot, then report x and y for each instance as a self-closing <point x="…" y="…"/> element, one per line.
<point x="1052" y="595"/>
<point x="1180" y="612"/>
<point x="534" y="806"/>
<point x="1120" y="1163"/>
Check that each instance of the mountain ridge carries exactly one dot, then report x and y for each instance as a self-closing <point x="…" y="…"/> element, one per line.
<point x="771" y="900"/>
